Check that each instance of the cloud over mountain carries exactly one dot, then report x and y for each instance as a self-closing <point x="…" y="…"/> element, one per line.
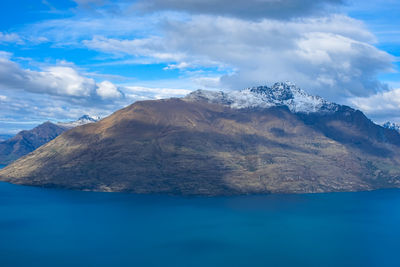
<point x="334" y="56"/>
<point x="381" y="107"/>
<point x="107" y="89"/>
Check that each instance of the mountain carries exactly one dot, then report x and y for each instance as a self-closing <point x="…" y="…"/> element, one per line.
<point x="392" y="126"/>
<point x="280" y="94"/>
<point x="27" y="141"/>
<point x="85" y="119"/>
<point x="259" y="140"/>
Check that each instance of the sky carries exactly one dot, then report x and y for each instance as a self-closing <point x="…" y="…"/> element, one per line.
<point x="60" y="59"/>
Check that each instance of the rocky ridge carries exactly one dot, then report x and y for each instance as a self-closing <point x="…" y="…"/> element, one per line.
<point x="280" y="94"/>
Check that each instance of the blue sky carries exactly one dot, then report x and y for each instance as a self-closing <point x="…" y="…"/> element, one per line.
<point x="61" y="59"/>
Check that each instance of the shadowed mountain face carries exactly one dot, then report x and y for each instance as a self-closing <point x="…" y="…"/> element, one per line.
<point x="27" y="141"/>
<point x="191" y="146"/>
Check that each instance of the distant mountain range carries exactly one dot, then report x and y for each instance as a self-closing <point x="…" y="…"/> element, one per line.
<point x="27" y="141"/>
<point x="264" y="139"/>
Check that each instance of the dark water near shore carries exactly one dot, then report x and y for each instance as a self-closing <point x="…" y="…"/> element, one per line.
<point x="43" y="227"/>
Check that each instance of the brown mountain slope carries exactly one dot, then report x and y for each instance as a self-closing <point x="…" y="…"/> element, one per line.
<point x="180" y="147"/>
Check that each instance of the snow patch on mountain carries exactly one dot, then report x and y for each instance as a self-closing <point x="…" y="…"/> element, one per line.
<point x="85" y="119"/>
<point x="280" y="94"/>
<point x="392" y="126"/>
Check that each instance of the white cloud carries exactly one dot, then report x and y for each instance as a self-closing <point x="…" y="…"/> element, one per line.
<point x="151" y="47"/>
<point x="332" y="56"/>
<point x="5" y="55"/>
<point x="208" y="82"/>
<point x="64" y="81"/>
<point x="54" y="80"/>
<point x="142" y="92"/>
<point x="70" y="31"/>
<point x="107" y="89"/>
<point x="10" y="38"/>
<point x="181" y="65"/>
<point x="381" y="107"/>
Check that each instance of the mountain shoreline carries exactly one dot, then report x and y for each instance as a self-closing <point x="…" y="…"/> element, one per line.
<point x="195" y="195"/>
<point x="200" y="146"/>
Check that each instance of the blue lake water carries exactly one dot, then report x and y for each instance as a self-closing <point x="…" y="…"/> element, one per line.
<point x="47" y="227"/>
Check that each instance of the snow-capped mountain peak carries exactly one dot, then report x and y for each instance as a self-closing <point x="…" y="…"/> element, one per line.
<point x="280" y="94"/>
<point x="392" y="126"/>
<point x="85" y="119"/>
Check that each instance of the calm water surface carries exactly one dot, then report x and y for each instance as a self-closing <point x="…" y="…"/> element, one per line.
<point x="46" y="227"/>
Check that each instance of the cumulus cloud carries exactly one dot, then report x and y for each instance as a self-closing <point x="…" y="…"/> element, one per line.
<point x="57" y="80"/>
<point x="381" y="106"/>
<point x="107" y="89"/>
<point x="248" y="9"/>
<point x="54" y="80"/>
<point x="332" y="56"/>
<point x="142" y="92"/>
